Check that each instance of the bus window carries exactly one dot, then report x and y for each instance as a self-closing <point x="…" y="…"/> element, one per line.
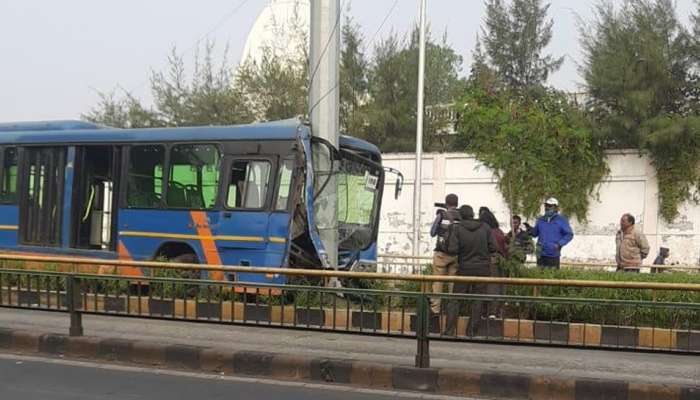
<point x="194" y="176"/>
<point x="8" y="180"/>
<point x="145" y="176"/>
<point x="249" y="184"/>
<point x="285" y="181"/>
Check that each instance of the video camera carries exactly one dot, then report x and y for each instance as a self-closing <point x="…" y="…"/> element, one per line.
<point x="441" y="205"/>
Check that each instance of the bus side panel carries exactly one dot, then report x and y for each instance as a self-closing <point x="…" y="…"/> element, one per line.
<point x="251" y="238"/>
<point x="9" y="225"/>
<point x="369" y="255"/>
<point x="142" y="232"/>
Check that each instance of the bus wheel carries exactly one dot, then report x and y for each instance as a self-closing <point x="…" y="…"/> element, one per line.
<point x="187" y="258"/>
<point x="190" y="291"/>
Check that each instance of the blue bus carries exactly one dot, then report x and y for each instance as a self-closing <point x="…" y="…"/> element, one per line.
<point x="247" y="195"/>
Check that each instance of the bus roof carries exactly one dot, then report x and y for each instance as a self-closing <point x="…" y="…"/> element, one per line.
<point x="78" y="132"/>
<point x="81" y="132"/>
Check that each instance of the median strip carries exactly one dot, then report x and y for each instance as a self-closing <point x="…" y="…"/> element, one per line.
<point x="357" y="373"/>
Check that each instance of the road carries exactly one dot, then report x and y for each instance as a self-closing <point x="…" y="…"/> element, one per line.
<point x="573" y="363"/>
<point x="33" y="378"/>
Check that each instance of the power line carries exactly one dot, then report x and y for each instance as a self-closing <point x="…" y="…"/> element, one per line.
<point x="374" y="36"/>
<point x="386" y="18"/>
<point x="213" y="29"/>
<point x="218" y="25"/>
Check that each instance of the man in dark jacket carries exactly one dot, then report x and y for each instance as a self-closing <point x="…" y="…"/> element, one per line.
<point x="553" y="232"/>
<point x="474" y="245"/>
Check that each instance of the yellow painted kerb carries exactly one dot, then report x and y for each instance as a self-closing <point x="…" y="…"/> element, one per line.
<point x="198" y="237"/>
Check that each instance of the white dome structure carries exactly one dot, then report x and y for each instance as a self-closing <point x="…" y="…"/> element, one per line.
<point x="282" y="28"/>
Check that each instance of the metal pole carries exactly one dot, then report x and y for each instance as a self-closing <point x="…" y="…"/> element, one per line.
<point x="422" y="330"/>
<point x="324" y="110"/>
<point x="419" y="135"/>
<point x="73" y="304"/>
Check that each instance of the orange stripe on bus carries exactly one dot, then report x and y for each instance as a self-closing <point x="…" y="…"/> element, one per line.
<point x="123" y="254"/>
<point x="211" y="253"/>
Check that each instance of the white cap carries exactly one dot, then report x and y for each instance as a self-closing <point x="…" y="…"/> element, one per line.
<point x="552" y="201"/>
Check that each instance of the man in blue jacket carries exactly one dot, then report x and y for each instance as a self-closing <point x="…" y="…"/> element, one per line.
<point x="552" y="232"/>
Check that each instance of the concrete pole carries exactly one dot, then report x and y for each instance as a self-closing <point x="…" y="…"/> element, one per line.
<point x="419" y="135"/>
<point x="324" y="111"/>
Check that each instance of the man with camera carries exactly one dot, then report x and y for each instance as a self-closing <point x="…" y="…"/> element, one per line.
<point x="444" y="263"/>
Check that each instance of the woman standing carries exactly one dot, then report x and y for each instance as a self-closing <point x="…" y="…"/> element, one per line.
<point x="486" y="217"/>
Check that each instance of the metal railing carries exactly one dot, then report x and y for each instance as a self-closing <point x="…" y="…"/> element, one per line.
<point x="409" y="264"/>
<point x="640" y="316"/>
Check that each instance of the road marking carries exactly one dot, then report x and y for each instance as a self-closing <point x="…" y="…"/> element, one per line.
<point x="19" y="358"/>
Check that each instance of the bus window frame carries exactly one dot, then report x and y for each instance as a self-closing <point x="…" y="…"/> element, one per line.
<point x="166" y="183"/>
<point x="3" y="148"/>
<point x="267" y="205"/>
<point x="124" y="192"/>
<point x="293" y="196"/>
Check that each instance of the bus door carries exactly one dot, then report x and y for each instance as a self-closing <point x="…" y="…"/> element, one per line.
<point x="94" y="189"/>
<point x="242" y="224"/>
<point x="41" y="195"/>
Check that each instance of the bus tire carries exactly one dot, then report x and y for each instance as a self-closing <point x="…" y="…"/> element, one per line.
<point x="190" y="291"/>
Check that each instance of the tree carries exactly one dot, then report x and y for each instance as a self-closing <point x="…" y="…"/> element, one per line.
<point x="389" y="110"/>
<point x="443" y="86"/>
<point x="515" y="38"/>
<point x="480" y="73"/>
<point x="123" y="112"/>
<point x="643" y="89"/>
<point x="353" y="79"/>
<point x="695" y="19"/>
<point x="208" y="97"/>
<point x="538" y="146"/>
<point x="393" y="78"/>
<point x="274" y="88"/>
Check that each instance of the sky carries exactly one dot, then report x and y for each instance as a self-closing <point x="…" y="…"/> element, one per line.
<point x="57" y="56"/>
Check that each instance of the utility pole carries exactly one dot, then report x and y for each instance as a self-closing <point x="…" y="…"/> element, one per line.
<point x="419" y="135"/>
<point x="324" y="111"/>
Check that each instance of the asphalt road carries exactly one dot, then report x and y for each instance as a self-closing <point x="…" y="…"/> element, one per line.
<point x="32" y="378"/>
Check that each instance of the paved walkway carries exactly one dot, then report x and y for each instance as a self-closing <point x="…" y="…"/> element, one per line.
<point x="573" y="363"/>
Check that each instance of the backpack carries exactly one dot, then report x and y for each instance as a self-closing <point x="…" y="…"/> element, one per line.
<point x="449" y="217"/>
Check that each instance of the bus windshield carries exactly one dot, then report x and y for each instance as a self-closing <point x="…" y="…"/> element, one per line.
<point x="358" y="189"/>
<point x="358" y="201"/>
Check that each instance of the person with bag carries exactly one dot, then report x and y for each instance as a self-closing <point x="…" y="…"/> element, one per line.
<point x="444" y="263"/>
<point x="474" y="245"/>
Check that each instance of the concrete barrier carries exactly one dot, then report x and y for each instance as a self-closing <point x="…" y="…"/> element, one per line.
<point x="370" y="375"/>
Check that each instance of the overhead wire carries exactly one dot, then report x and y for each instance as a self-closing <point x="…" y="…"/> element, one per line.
<point x="374" y="36"/>
<point x="323" y="52"/>
<point x="213" y="29"/>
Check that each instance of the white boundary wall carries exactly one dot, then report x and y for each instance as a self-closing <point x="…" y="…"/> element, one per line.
<point x="630" y="187"/>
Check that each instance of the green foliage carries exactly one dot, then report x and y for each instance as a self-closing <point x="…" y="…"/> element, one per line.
<point x="644" y="90"/>
<point x="674" y="143"/>
<point x="515" y="37"/>
<point x="538" y="146"/>
<point x="625" y="315"/>
<point x="393" y="76"/>
<point x="122" y="112"/>
<point x="208" y="97"/>
<point x="377" y="99"/>
<point x="354" y="85"/>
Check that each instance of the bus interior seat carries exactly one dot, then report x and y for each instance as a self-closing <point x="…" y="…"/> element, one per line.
<point x="177" y="197"/>
<point x="252" y="198"/>
<point x="195" y="197"/>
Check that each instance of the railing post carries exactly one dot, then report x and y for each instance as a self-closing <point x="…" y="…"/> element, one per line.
<point x="72" y="300"/>
<point x="422" y="329"/>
